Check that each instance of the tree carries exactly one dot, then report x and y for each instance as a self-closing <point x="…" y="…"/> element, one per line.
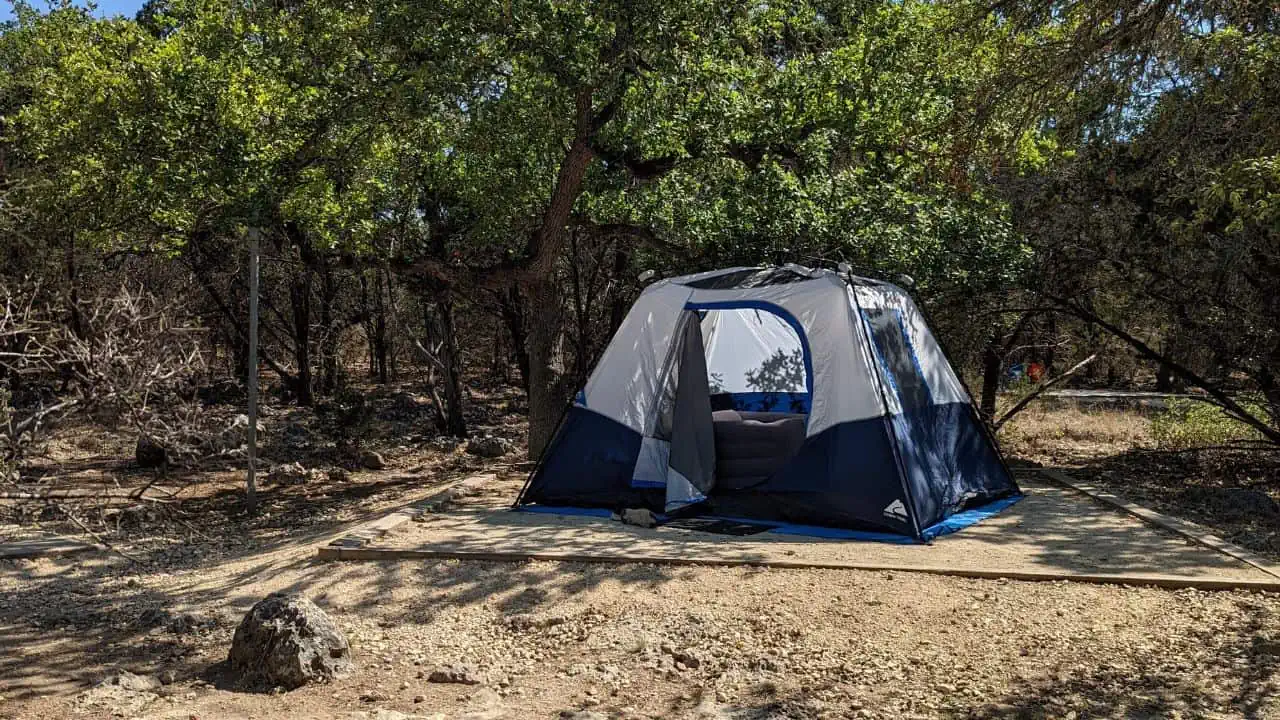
<point x="1160" y="227"/>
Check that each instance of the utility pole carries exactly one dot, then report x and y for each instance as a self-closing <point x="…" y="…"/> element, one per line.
<point x="251" y="491"/>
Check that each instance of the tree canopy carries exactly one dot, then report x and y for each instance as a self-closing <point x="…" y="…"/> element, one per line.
<point x="1113" y="163"/>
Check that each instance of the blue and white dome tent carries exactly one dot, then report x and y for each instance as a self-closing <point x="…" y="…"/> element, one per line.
<point x="784" y="395"/>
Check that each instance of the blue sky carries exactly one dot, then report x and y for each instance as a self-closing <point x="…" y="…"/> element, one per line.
<point x="106" y="8"/>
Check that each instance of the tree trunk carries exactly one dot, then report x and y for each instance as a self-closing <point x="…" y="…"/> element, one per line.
<point x="543" y="252"/>
<point x="380" y="329"/>
<point x="300" y="300"/>
<point x="328" y="347"/>
<point x="75" y="321"/>
<point x="546" y="376"/>
<point x="992" y="364"/>
<point x="1270" y="385"/>
<point x="1051" y="349"/>
<point x="618" y="308"/>
<point x="440" y="333"/>
<point x="388" y="343"/>
<point x="513" y="316"/>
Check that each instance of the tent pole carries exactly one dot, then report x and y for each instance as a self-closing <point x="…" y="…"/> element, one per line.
<point x="884" y="401"/>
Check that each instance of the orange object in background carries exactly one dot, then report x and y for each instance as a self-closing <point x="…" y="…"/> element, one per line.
<point x="1035" y="371"/>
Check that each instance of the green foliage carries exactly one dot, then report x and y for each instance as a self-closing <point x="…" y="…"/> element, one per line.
<point x="795" y="131"/>
<point x="1122" y="155"/>
<point x="1162" y="218"/>
<point x="1188" y="424"/>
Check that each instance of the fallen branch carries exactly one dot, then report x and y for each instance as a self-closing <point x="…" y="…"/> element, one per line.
<point x="1039" y="390"/>
<point x="100" y="540"/>
<point x="73" y="494"/>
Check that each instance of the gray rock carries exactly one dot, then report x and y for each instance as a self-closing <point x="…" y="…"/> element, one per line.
<point x="286" y="640"/>
<point x="126" y="680"/>
<point x="339" y="475"/>
<point x="371" y="460"/>
<point x="153" y="617"/>
<point x="639" y="516"/>
<point x="150" y="454"/>
<point x="460" y="674"/>
<point x="488" y="446"/>
<point x="292" y="474"/>
<point x="189" y="623"/>
<point x="120" y="695"/>
<point x="234" y="436"/>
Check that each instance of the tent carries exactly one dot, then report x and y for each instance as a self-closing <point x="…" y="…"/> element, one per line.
<point x="784" y="395"/>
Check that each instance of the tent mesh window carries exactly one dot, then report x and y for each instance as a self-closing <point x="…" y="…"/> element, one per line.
<point x="898" y="357"/>
<point x="749" y="278"/>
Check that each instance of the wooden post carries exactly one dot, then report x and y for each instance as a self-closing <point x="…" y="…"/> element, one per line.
<point x="251" y="491"/>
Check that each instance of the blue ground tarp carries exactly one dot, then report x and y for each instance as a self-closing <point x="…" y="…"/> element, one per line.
<point x="955" y="523"/>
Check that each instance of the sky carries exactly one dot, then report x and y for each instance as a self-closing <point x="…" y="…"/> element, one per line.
<point x="106" y="8"/>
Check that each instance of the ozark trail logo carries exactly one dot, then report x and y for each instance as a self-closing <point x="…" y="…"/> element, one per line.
<point x="896" y="510"/>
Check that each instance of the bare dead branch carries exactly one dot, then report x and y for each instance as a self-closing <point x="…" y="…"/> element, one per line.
<point x="1024" y="402"/>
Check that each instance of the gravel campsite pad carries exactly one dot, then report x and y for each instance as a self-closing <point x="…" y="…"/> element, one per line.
<point x="1052" y="530"/>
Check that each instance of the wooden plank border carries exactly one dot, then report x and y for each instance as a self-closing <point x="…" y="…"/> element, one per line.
<point x="1188" y="530"/>
<point x="1160" y="581"/>
<point x="362" y="535"/>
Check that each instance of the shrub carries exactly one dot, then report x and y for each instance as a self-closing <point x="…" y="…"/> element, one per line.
<point x="1193" y="423"/>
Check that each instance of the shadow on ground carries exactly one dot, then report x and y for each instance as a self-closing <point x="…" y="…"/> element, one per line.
<point x="1244" y="650"/>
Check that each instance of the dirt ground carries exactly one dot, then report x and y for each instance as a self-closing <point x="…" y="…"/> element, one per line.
<point x="641" y="641"/>
<point x="559" y="639"/>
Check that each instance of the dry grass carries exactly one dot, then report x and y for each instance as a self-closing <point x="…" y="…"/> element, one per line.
<point x="1073" y="435"/>
<point x="1173" y="462"/>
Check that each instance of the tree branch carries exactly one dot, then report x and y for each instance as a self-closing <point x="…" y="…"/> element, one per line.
<point x="1039" y="390"/>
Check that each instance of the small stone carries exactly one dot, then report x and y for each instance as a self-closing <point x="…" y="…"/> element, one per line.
<point x="149" y="453"/>
<point x="419" y="699"/>
<point x="128" y="681"/>
<point x="289" y="474"/>
<point x="371" y="460"/>
<point x="153" y="617"/>
<point x="458" y="674"/>
<point x="640" y="517"/>
<point x="488" y="446"/>
<point x="687" y="658"/>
